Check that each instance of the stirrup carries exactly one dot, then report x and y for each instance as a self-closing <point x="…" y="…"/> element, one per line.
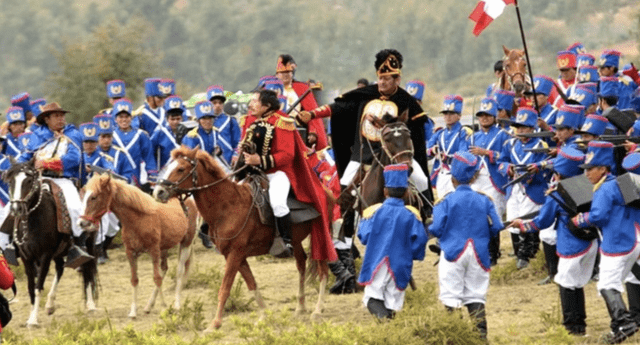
<point x="77" y="257"/>
<point x="280" y="249"/>
<point x="11" y="255"/>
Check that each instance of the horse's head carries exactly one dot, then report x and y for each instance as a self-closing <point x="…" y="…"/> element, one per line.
<point x="179" y="175"/>
<point x="24" y="184"/>
<point x="395" y="138"/>
<point x="515" y="68"/>
<point x="98" y="194"/>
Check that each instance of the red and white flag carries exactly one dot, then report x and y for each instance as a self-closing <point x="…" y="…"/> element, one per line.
<point x="486" y="11"/>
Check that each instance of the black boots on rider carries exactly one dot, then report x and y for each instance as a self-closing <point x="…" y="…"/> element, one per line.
<point x="283" y="225"/>
<point x="551" y="258"/>
<point x="494" y="249"/>
<point x="204" y="236"/>
<point x="622" y="325"/>
<point x="78" y="252"/>
<point x="573" y="310"/>
<point x="633" y="294"/>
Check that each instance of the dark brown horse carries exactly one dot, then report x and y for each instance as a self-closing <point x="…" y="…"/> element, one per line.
<point x="35" y="232"/>
<point x="234" y="223"/>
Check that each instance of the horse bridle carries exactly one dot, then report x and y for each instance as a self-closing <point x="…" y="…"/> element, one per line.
<point x="173" y="186"/>
<point x="402" y="128"/>
<point x="511" y="76"/>
<point x="19" y="219"/>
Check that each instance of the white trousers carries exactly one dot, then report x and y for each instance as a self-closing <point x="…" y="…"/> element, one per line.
<point x="279" y="187"/>
<point x="519" y="205"/>
<point x="4" y="213"/>
<point x="464" y="281"/>
<point x="615" y="269"/>
<point x="483" y="184"/>
<point x="418" y="177"/>
<point x="108" y="227"/>
<point x="383" y="287"/>
<point x="575" y="272"/>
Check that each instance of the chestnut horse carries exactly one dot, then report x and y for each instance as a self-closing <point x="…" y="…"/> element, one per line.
<point x="234" y="224"/>
<point x="147" y="226"/>
<point x="515" y="78"/>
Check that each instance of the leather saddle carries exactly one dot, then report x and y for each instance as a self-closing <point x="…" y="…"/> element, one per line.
<point x="300" y="212"/>
<point x="62" y="212"/>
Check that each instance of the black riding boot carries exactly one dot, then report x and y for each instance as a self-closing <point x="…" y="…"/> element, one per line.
<point x="377" y="308"/>
<point x="633" y="294"/>
<point x="516" y="241"/>
<point x="101" y="252"/>
<point x="573" y="310"/>
<point x="551" y="257"/>
<point x="525" y="249"/>
<point x="342" y="276"/>
<point x="477" y="311"/>
<point x="494" y="249"/>
<point x="622" y="326"/>
<point x="346" y="257"/>
<point x="284" y="228"/>
<point x="595" y="276"/>
<point x="11" y="254"/>
<point x="78" y="252"/>
<point x="204" y="236"/>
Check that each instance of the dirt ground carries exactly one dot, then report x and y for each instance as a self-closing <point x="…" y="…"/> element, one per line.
<point x="516" y="309"/>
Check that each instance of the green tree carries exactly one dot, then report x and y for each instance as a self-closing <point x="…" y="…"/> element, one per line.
<point x="112" y="51"/>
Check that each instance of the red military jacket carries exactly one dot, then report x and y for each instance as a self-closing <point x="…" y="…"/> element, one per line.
<point x="315" y="126"/>
<point x="281" y="148"/>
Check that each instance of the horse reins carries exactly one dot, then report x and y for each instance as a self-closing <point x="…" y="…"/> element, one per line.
<point x="19" y="218"/>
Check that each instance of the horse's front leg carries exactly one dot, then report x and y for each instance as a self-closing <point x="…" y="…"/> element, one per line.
<point x="133" y="263"/>
<point x="233" y="260"/>
<point x="323" y="273"/>
<point x="159" y="260"/>
<point x="34" y="294"/>
<point x="247" y="275"/>
<point x="301" y="258"/>
<point x="183" y="259"/>
<point x="50" y="306"/>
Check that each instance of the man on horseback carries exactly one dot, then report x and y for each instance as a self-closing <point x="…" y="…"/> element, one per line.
<point x="59" y="156"/>
<point x="355" y="138"/>
<point x="279" y="152"/>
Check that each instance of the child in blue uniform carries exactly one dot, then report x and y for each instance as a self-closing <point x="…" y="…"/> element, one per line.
<point x="619" y="227"/>
<point x="577" y="254"/>
<point x="464" y="221"/>
<point x="394" y="236"/>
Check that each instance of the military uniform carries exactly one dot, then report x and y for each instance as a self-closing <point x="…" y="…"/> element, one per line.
<point x="464" y="222"/>
<point x="564" y="59"/>
<point x="164" y="139"/>
<point x="11" y="146"/>
<point x="394" y="236"/>
<point x="149" y="119"/>
<point x="227" y="127"/>
<point x="446" y="142"/>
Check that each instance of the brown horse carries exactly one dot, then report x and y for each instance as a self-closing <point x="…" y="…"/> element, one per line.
<point x="147" y="225"/>
<point x="515" y="76"/>
<point x="234" y="224"/>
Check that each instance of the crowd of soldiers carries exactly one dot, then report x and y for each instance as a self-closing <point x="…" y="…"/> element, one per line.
<point x="524" y="147"/>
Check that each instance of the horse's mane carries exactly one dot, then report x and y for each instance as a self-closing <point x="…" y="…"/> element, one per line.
<point x="14" y="169"/>
<point x="205" y="159"/>
<point x="127" y="194"/>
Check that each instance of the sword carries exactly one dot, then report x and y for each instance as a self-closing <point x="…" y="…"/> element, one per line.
<point x="99" y="170"/>
<point x="473" y="122"/>
<point x="295" y="104"/>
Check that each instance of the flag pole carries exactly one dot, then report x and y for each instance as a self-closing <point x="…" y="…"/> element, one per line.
<point x="526" y="54"/>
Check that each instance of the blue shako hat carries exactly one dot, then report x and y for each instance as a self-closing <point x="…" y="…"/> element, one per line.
<point x="15" y="114"/>
<point x="599" y="153"/>
<point x="488" y="106"/>
<point x="396" y="176"/>
<point x="89" y="131"/>
<point x="631" y="163"/>
<point x="105" y="123"/>
<point x="567" y="162"/>
<point x="116" y="89"/>
<point x="464" y="166"/>
<point x="415" y="88"/>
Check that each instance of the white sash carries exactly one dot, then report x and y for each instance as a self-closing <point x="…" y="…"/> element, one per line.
<point x="13" y="146"/>
<point x="158" y="119"/>
<point x="526" y="157"/>
<point x="127" y="147"/>
<point x="222" y="139"/>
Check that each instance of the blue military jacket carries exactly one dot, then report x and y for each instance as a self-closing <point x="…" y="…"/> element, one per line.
<point x="513" y="153"/>
<point x="393" y="234"/>
<point x="136" y="147"/>
<point x="448" y="141"/>
<point x="619" y="223"/>
<point x="492" y="140"/>
<point x="462" y="217"/>
<point x="228" y="135"/>
<point x="207" y="141"/>
<point x="163" y="141"/>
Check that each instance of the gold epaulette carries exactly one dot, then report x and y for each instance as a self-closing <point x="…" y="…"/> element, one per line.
<point x="414" y="211"/>
<point x="106" y="156"/>
<point x="242" y="120"/>
<point x="624" y="80"/>
<point x="286" y="123"/>
<point x="193" y="133"/>
<point x="468" y="130"/>
<point x="485" y="194"/>
<point x="369" y="211"/>
<point x="441" y="199"/>
<point x="106" y="111"/>
<point x="419" y="115"/>
<point x="551" y="190"/>
<point x="544" y="144"/>
<point x="138" y="111"/>
<point x="597" y="185"/>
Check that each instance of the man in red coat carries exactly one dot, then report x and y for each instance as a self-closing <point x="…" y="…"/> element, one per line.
<point x="293" y="89"/>
<point x="280" y="153"/>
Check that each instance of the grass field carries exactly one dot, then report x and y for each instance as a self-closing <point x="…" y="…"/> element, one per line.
<point x="519" y="311"/>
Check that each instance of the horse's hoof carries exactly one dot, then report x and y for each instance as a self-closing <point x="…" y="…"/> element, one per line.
<point x="316" y="316"/>
<point x="31" y="324"/>
<point x="132" y="316"/>
<point x="51" y="310"/>
<point x="176" y="306"/>
<point x="91" y="310"/>
<point x="147" y="311"/>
